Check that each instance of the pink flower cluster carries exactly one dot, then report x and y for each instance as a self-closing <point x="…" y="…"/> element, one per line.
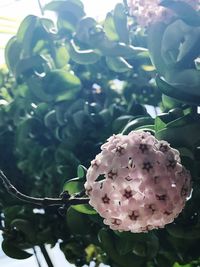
<point x="137" y="183"/>
<point x="148" y="12"/>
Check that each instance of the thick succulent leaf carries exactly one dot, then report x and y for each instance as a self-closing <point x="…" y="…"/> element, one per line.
<point x="81" y="171"/>
<point x="143" y="245"/>
<point x="159" y="124"/>
<point x="156" y="33"/>
<point x="179" y="45"/>
<point x="177" y="136"/>
<point x="77" y="222"/>
<point x="50" y="120"/>
<point x="109" y="27"/>
<point x="184" y="11"/>
<point x="13" y="251"/>
<point x="74" y="7"/>
<point x="74" y="185"/>
<point x="62" y="56"/>
<point x="118" y="64"/>
<point x="187" y="80"/>
<point x="58" y="81"/>
<point x="12" y="53"/>
<point x="141" y="121"/>
<point x="84" y="208"/>
<point x="120" y="22"/>
<point x="84" y="27"/>
<point x="26" y="227"/>
<point x="30" y="65"/>
<point x="177" y="93"/>
<point x="36" y="88"/>
<point x="121" y="122"/>
<point x="115" y="49"/>
<point x="187" y="232"/>
<point x="169" y="102"/>
<point x="109" y="243"/>
<point x="25" y="33"/>
<point x="26" y="27"/>
<point x="84" y="57"/>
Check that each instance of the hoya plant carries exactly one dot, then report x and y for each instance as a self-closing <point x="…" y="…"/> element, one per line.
<point x="100" y="135"/>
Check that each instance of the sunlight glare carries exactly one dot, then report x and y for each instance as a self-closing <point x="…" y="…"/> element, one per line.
<point x="17" y="10"/>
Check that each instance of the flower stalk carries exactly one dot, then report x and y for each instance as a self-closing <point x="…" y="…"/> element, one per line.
<point x="44" y="202"/>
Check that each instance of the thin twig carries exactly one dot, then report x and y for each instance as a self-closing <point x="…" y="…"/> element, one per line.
<point x="72" y="200"/>
<point x="36" y="256"/>
<point x="40" y="7"/>
<point x="46" y="256"/>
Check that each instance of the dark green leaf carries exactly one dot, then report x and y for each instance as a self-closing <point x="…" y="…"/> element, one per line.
<point x="176" y="93"/>
<point x="24" y="226"/>
<point x="83" y="56"/>
<point x="121" y="122"/>
<point x="58" y="81"/>
<point x="61" y="56"/>
<point x="12" y="53"/>
<point x="118" y="64"/>
<point x="109" y="27"/>
<point x="115" y="49"/>
<point x="25" y="33"/>
<point x="142" y="245"/>
<point x="13" y="251"/>
<point x="188" y="232"/>
<point x="159" y="124"/>
<point x="120" y="20"/>
<point x="109" y="244"/>
<point x="169" y="102"/>
<point x="1" y="79"/>
<point x="83" y="31"/>
<point x="185" y="152"/>
<point x="181" y="121"/>
<point x="84" y="208"/>
<point x="74" y="7"/>
<point x="184" y="10"/>
<point x="77" y="222"/>
<point x="26" y="27"/>
<point x="74" y="185"/>
<point x="178" y="136"/>
<point x="11" y="213"/>
<point x="81" y="171"/>
<point x="50" y="120"/>
<point x="156" y="33"/>
<point x="80" y="119"/>
<point x="30" y="65"/>
<point x="179" y="47"/>
<point x="63" y="156"/>
<point x="132" y="125"/>
<point x="36" y="88"/>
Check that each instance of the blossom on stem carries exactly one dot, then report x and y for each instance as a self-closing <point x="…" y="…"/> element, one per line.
<point x="137" y="183"/>
<point x="147" y="12"/>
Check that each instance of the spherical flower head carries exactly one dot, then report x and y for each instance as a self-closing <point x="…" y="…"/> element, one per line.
<point x="148" y="12"/>
<point x="137" y="183"/>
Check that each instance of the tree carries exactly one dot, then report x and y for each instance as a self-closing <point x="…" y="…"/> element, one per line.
<point x="71" y="85"/>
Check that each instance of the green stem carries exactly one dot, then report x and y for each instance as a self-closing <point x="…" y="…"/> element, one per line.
<point x="45" y="202"/>
<point x="46" y="256"/>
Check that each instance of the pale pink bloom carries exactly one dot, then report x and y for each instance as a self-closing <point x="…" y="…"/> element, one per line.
<point x="148" y="12"/>
<point x="137" y="183"/>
